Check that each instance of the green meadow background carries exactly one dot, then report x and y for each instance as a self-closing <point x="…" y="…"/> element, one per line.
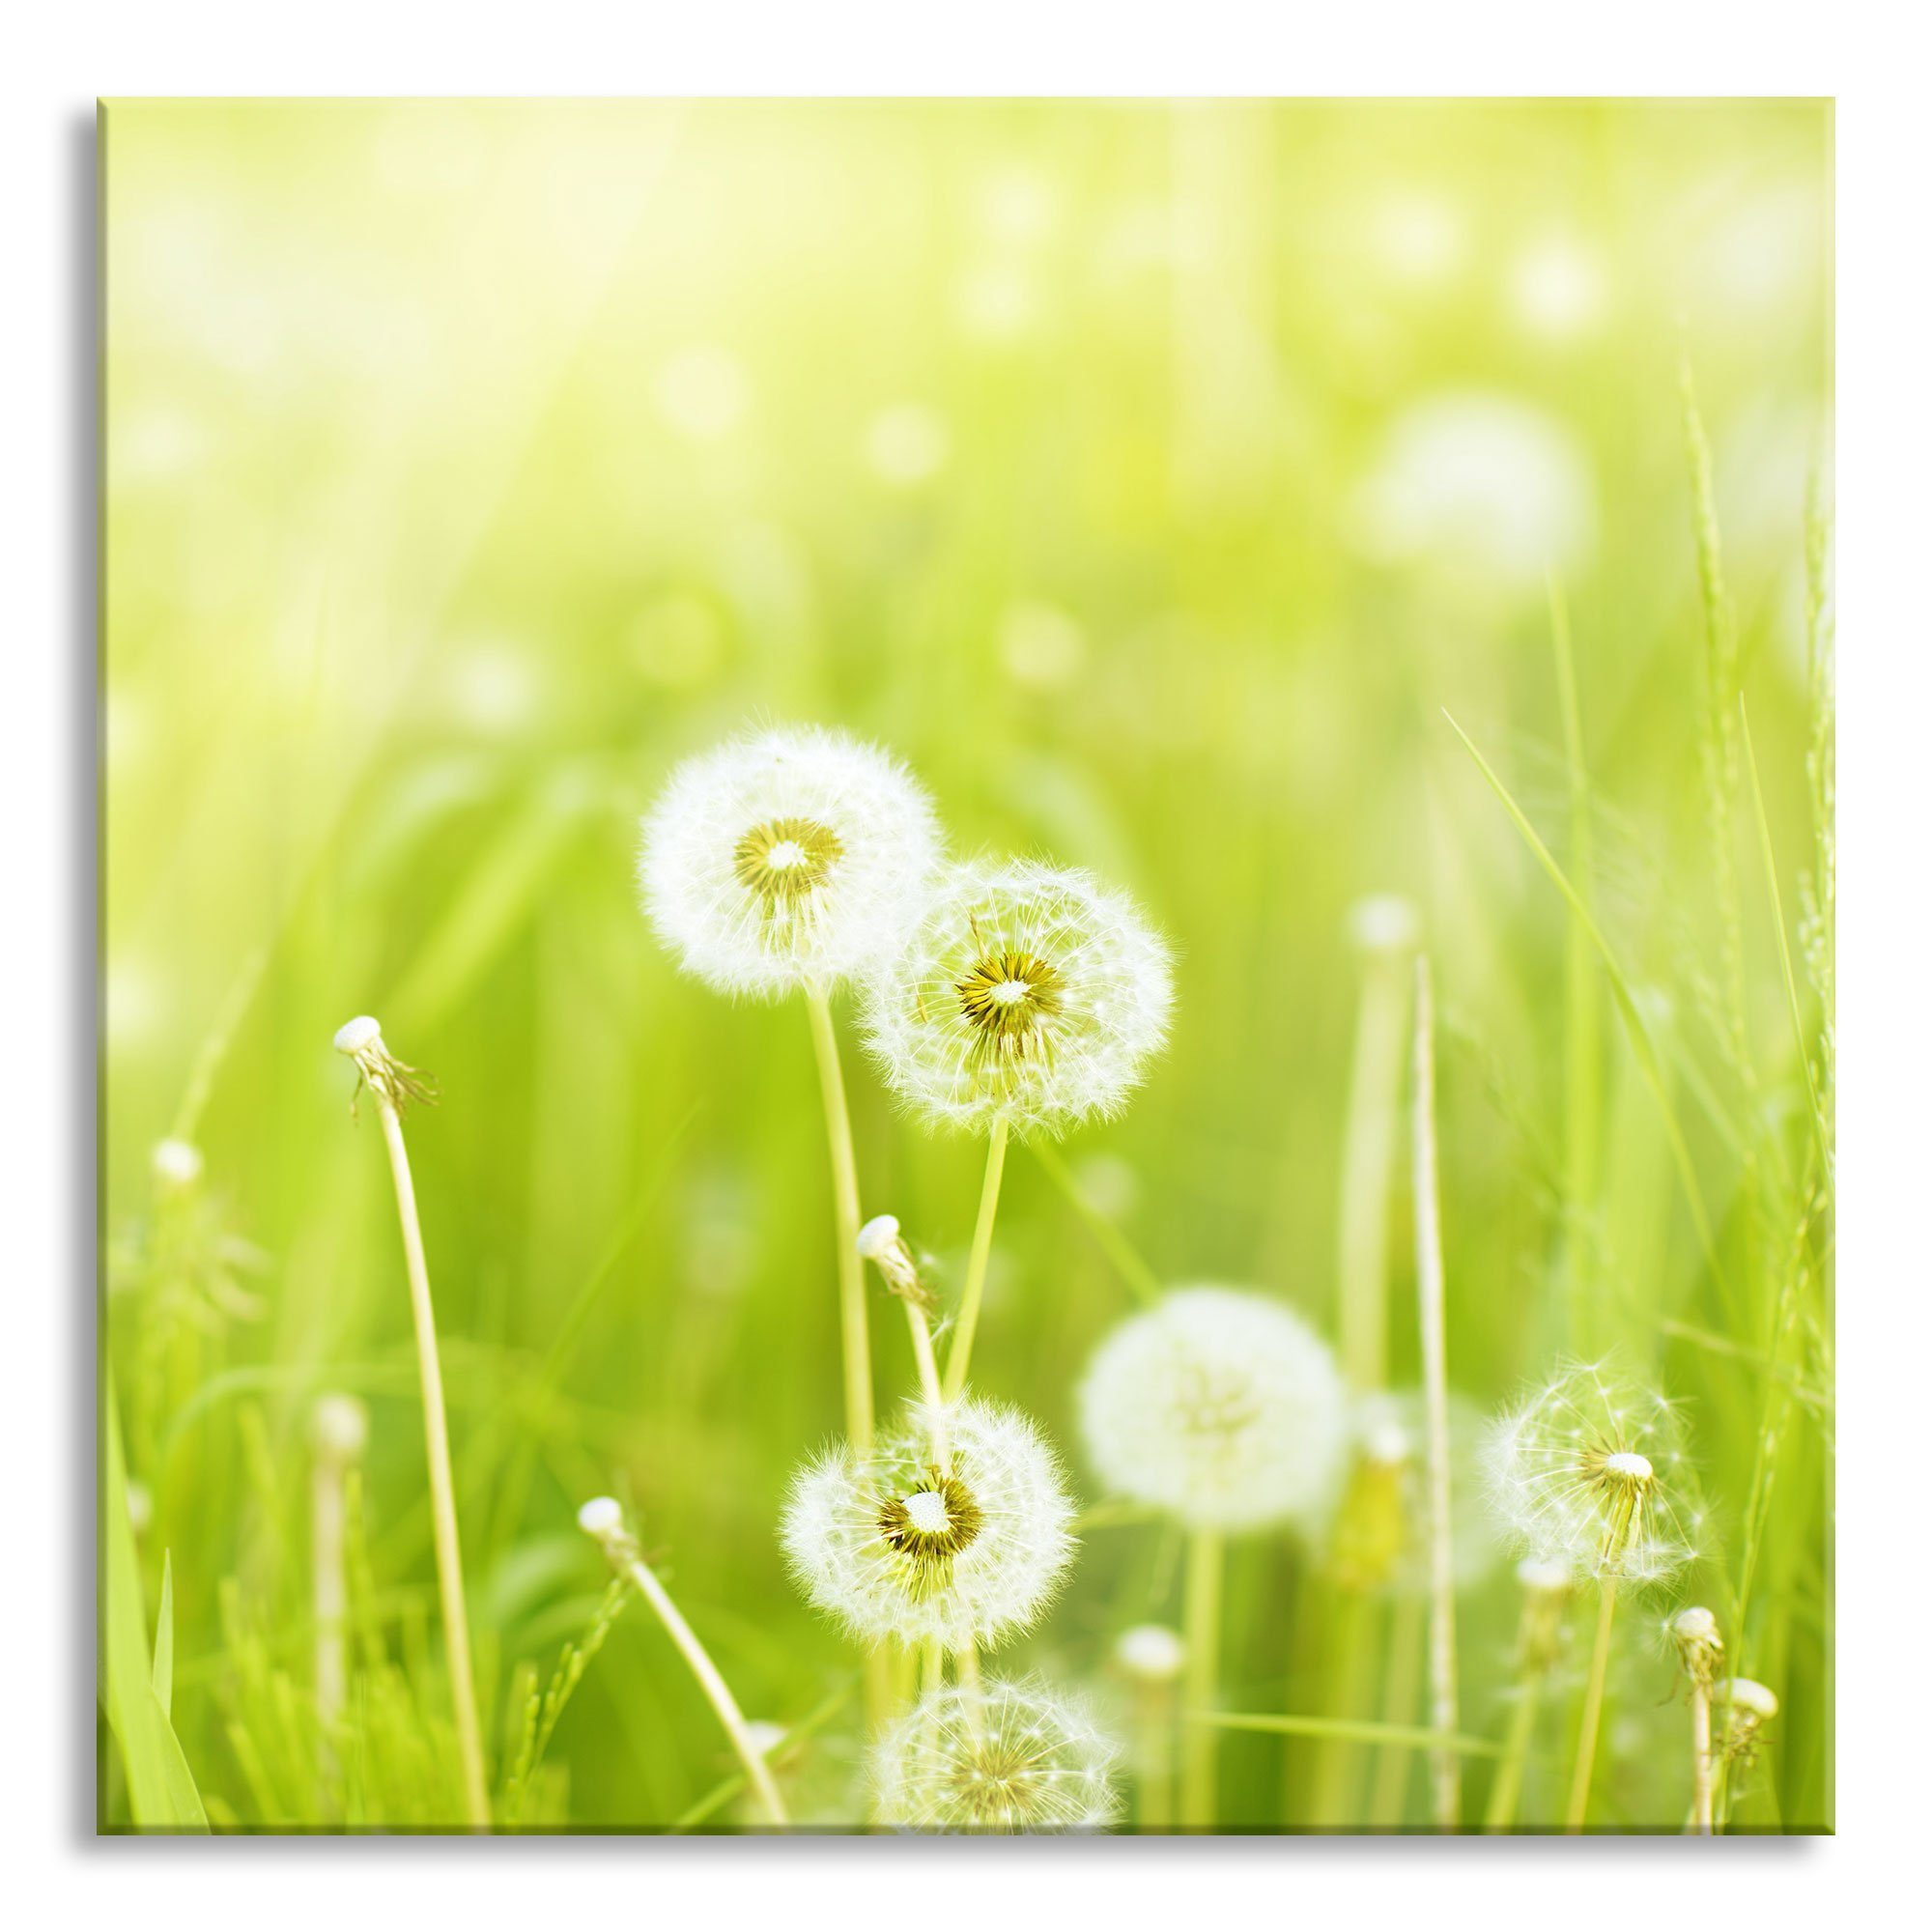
<point x="1154" y="478"/>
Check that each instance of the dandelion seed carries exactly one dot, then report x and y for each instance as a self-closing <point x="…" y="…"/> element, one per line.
<point x="1029" y="996"/>
<point x="895" y="1546"/>
<point x="1220" y="1406"/>
<point x="791" y="860"/>
<point x="997" y="1758"/>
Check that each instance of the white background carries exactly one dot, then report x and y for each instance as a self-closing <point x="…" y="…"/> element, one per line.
<point x="1867" y="56"/>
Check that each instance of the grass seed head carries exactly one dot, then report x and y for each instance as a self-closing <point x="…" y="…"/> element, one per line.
<point x="788" y="860"/>
<point x="895" y="1548"/>
<point x="997" y="1758"/>
<point x="1220" y="1406"/>
<point x="1027" y="993"/>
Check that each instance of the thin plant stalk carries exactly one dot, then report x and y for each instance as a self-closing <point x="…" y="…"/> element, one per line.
<point x="441" y="1484"/>
<point x="960" y="1355"/>
<point x="1701" y="1758"/>
<point x="1506" y="1790"/>
<point x="1154" y="1756"/>
<point x="1368" y="1140"/>
<point x="854" y="1337"/>
<point x="1446" y="1767"/>
<point x="1401" y="1682"/>
<point x="854" y="1340"/>
<point x="1593" y="1709"/>
<point x="327" y="1535"/>
<point x="712" y="1683"/>
<point x="1339" y="1755"/>
<point x="1201" y="1630"/>
<point x="928" y="1384"/>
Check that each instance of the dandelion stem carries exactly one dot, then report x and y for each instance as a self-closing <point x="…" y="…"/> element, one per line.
<point x="1446" y="1773"/>
<point x="1593" y="1709"/>
<point x="327" y="1532"/>
<point x="712" y="1683"/>
<point x="961" y="1355"/>
<point x="855" y="1344"/>
<point x="1701" y="1758"/>
<point x="441" y="1485"/>
<point x="928" y="1383"/>
<point x="854" y="1340"/>
<point x="1200" y="1629"/>
<point x="1399" y="1693"/>
<point x="1127" y="1259"/>
<point x="1368" y="1173"/>
<point x="1506" y="1790"/>
<point x="1154" y="1756"/>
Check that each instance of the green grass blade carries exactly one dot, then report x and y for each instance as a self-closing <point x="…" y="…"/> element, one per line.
<point x="1418" y="1737"/>
<point x="161" y="1791"/>
<point x="165" y="1639"/>
<point x="1626" y="1008"/>
<point x="1783" y="944"/>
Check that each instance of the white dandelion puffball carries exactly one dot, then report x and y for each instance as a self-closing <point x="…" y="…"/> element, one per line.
<point x="790" y="859"/>
<point x="1220" y="1406"/>
<point x="1027" y="993"/>
<point x="1002" y="1757"/>
<point x="1592" y="1471"/>
<point x="1482" y="482"/>
<point x="895" y="1545"/>
<point x="1150" y="1654"/>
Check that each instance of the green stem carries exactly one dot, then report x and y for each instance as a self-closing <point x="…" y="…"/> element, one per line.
<point x="855" y="1342"/>
<point x="1445" y="1768"/>
<point x="1368" y="1172"/>
<point x="1401" y="1682"/>
<point x="961" y="1355"/>
<point x="441" y="1484"/>
<point x="1593" y="1711"/>
<point x="1154" y="1756"/>
<point x="1200" y="1629"/>
<point x="1506" y="1790"/>
<point x="712" y="1683"/>
<point x="1338" y="1762"/>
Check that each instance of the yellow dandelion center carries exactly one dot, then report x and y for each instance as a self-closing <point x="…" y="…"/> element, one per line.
<point x="926" y="1527"/>
<point x="1009" y="996"/>
<point x="1000" y="1780"/>
<point x="784" y="861"/>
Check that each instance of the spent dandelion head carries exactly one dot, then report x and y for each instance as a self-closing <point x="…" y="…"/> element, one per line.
<point x="393" y="1081"/>
<point x="1744" y="1707"/>
<point x="1699" y="1644"/>
<point x="1151" y="1655"/>
<point x="999" y="1758"/>
<point x="175" y="1166"/>
<point x="1220" y="1406"/>
<point x="1591" y="1470"/>
<point x="788" y="860"/>
<point x="1028" y="994"/>
<point x="339" y="1426"/>
<point x="895" y="1546"/>
<point x="1379" y="1538"/>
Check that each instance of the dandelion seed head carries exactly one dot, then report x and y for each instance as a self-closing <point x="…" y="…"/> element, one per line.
<point x="601" y="1516"/>
<point x="1591" y="1470"/>
<point x="1385" y="923"/>
<point x="1027" y="993"/>
<point x="999" y="1757"/>
<point x="176" y="1165"/>
<point x="1150" y="1654"/>
<point x="896" y="1546"/>
<point x="879" y="1237"/>
<point x="1543" y="1577"/>
<point x="1747" y="1694"/>
<point x="356" y="1036"/>
<point x="338" y="1425"/>
<point x="1220" y="1406"/>
<point x="787" y="860"/>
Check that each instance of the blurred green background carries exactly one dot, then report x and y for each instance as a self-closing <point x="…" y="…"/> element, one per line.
<point x="1152" y="477"/>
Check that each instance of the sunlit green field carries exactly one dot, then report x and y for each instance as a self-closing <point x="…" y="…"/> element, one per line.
<point x="1169" y="487"/>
